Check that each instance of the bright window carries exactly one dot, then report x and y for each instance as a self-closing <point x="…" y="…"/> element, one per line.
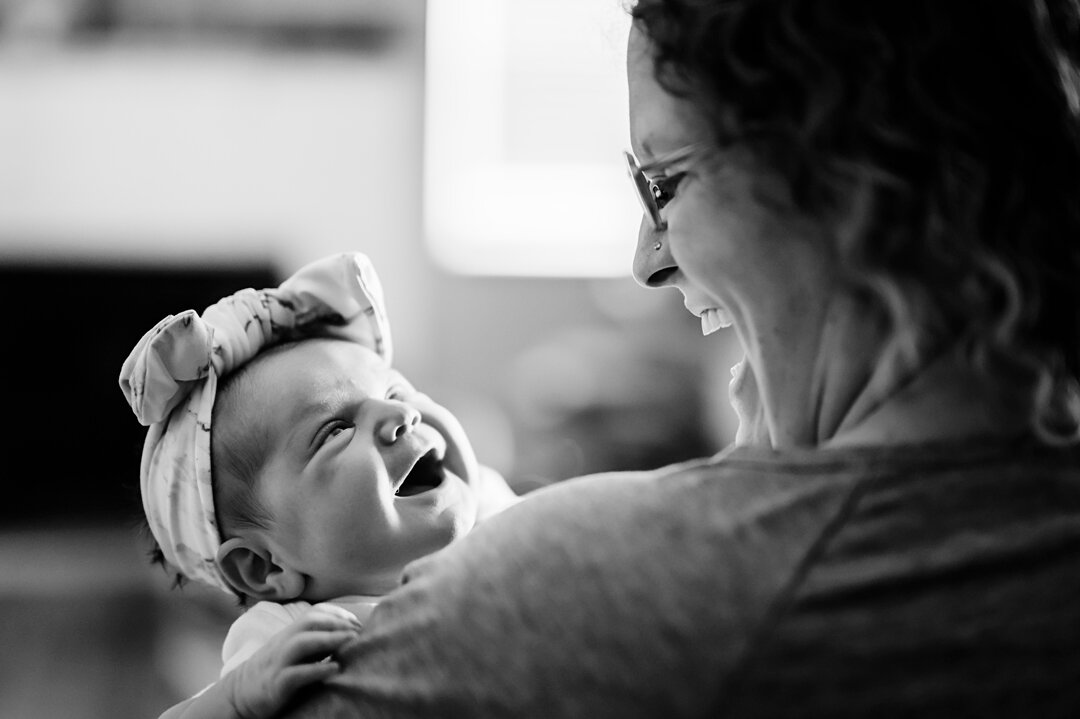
<point x="525" y="122"/>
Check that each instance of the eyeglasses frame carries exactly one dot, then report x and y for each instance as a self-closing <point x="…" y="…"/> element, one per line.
<point x="646" y="189"/>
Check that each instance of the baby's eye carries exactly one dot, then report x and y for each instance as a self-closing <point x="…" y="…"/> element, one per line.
<point x="663" y="188"/>
<point x="332" y="430"/>
<point x="396" y="393"/>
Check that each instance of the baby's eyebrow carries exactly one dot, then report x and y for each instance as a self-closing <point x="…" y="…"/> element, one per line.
<point x="301" y="420"/>
<point x="308" y="409"/>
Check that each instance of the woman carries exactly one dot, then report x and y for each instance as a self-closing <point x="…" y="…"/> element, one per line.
<point x="883" y="199"/>
<point x="877" y="205"/>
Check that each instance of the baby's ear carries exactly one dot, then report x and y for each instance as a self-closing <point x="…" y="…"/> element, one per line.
<point x="250" y="569"/>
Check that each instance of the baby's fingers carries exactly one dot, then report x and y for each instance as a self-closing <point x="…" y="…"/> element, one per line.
<point x="294" y="678"/>
<point x="315" y="645"/>
<point x="321" y="619"/>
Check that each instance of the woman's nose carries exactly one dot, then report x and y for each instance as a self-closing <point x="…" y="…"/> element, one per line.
<point x="653" y="264"/>
<point x="394" y="421"/>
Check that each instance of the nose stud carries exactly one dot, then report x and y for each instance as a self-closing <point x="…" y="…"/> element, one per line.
<point x="657" y="245"/>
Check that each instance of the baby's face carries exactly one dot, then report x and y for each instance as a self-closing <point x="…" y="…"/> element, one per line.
<point x="364" y="473"/>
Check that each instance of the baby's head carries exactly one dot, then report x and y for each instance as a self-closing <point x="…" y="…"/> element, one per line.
<point x="331" y="472"/>
<point x="285" y="457"/>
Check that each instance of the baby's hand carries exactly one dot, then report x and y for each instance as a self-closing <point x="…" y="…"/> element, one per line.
<point x="293" y="658"/>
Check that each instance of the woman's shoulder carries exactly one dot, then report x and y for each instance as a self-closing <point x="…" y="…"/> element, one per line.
<point x="652" y="586"/>
<point x="677" y="566"/>
<point x="649" y="529"/>
<point x="730" y="483"/>
<point x="743" y="508"/>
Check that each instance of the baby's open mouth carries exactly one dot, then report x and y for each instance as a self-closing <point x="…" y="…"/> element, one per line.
<point x="426" y="474"/>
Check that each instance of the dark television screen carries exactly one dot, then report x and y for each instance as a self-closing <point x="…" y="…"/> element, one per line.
<point x="70" y="442"/>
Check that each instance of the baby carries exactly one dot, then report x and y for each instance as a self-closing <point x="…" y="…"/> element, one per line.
<point x="289" y="464"/>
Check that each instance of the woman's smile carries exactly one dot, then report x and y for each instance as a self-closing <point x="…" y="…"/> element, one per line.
<point x="714" y="319"/>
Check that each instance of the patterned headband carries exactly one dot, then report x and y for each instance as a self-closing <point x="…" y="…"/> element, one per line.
<point x="170" y="380"/>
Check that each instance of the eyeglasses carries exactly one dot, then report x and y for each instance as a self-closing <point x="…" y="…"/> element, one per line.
<point x="654" y="194"/>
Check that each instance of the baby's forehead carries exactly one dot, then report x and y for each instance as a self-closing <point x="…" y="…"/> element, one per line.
<point x="324" y="361"/>
<point x="267" y="399"/>
<point x="313" y="372"/>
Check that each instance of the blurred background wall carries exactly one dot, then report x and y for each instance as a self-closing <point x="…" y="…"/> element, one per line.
<point x="158" y="154"/>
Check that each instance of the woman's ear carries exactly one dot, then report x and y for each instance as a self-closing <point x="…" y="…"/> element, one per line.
<point x="250" y="569"/>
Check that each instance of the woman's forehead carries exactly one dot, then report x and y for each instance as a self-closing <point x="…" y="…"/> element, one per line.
<point x="659" y="121"/>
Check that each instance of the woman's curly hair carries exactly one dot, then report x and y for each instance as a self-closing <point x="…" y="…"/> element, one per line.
<point x="962" y="116"/>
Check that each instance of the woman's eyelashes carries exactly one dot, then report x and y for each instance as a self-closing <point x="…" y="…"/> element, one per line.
<point x="664" y="188"/>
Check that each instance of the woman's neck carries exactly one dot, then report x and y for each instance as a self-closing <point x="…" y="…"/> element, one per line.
<point x="815" y="380"/>
<point x="855" y="392"/>
<point x="946" y="399"/>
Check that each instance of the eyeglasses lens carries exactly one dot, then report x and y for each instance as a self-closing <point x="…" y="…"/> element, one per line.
<point x="646" y="193"/>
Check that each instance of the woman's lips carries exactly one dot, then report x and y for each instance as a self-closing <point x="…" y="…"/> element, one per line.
<point x="714" y="319"/>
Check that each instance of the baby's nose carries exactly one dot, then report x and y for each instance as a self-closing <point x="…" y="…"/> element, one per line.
<point x="396" y="420"/>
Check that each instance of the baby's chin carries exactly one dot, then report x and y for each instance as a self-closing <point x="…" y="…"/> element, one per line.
<point x="465" y="511"/>
<point x="453" y="509"/>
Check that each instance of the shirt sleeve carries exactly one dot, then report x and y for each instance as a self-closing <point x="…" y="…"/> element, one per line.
<point x="253" y="629"/>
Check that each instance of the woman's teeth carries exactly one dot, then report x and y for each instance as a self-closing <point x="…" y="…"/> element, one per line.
<point x="714" y="319"/>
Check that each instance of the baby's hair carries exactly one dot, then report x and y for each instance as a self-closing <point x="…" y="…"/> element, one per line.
<point x="238" y="451"/>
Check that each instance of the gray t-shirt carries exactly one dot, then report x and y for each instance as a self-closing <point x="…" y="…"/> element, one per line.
<point x="931" y="580"/>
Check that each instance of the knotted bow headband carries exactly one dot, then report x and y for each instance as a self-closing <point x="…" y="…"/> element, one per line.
<point x="170" y="380"/>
